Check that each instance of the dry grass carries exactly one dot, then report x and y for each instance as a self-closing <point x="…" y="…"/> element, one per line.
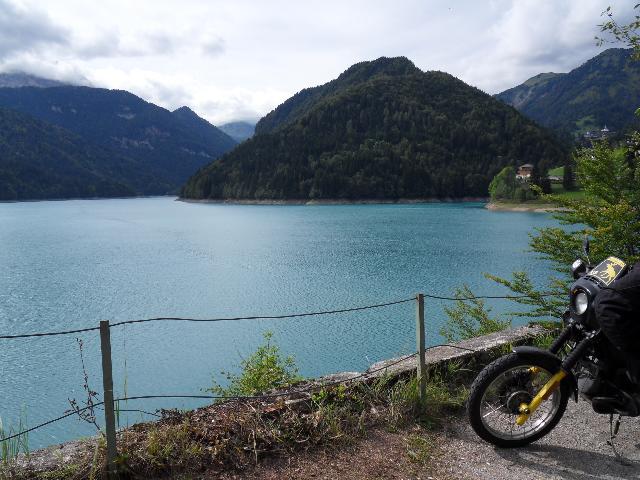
<point x="237" y="435"/>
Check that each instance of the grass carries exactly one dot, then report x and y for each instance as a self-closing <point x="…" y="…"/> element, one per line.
<point x="557" y="189"/>
<point x="419" y="448"/>
<point x="10" y="449"/>
<point x="63" y="473"/>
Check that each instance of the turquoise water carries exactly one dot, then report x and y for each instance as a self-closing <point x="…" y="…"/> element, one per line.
<point x="71" y="264"/>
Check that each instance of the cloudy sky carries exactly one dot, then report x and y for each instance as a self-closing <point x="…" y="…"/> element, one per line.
<point x="238" y="59"/>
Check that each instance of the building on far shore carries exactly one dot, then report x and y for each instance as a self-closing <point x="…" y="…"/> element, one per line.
<point x="598" y="134"/>
<point x="524" y="172"/>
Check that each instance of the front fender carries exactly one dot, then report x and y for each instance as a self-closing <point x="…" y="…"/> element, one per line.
<point x="534" y="353"/>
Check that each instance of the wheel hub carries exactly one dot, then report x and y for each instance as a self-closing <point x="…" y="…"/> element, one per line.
<point x="516" y="399"/>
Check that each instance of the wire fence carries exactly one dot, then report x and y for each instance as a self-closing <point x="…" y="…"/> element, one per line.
<point x="269" y="396"/>
<point x="272" y="317"/>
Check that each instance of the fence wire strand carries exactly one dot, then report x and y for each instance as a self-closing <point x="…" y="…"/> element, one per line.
<point x="211" y="320"/>
<point x="289" y="393"/>
<point x="273" y="317"/>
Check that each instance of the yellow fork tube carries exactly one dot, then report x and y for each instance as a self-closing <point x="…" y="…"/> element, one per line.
<point x="526" y="410"/>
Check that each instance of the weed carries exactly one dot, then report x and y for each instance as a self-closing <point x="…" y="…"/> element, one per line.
<point x="419" y="448"/>
<point x="65" y="472"/>
<point x="265" y="369"/>
<point x="11" y="448"/>
<point x="166" y="448"/>
<point x="87" y="412"/>
<point x="544" y="341"/>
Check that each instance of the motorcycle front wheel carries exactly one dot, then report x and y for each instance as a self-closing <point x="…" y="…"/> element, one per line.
<point x="500" y="389"/>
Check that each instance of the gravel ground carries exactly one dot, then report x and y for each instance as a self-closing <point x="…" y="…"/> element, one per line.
<point x="576" y="449"/>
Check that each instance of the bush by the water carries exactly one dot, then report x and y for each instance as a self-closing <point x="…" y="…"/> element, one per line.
<point x="263" y="370"/>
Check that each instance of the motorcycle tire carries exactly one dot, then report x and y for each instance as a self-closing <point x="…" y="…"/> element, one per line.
<point x="502" y="369"/>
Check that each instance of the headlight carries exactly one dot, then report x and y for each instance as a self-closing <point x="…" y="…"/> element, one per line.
<point x="581" y="303"/>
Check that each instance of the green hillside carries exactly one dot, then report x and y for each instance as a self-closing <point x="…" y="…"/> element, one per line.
<point x="382" y="130"/>
<point x="170" y="145"/>
<point x="42" y="161"/>
<point x="603" y="91"/>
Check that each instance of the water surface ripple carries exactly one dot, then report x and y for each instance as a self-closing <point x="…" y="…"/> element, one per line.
<point x="70" y="264"/>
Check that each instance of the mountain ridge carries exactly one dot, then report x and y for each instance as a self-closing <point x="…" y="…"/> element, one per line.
<point x="22" y="79"/>
<point x="171" y="146"/>
<point x="604" y="90"/>
<point x="42" y="161"/>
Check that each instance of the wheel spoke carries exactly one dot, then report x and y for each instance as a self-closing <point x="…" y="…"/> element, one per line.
<point x="494" y="410"/>
<point x="504" y="395"/>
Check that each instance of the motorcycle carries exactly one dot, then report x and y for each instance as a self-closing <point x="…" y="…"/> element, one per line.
<point x="520" y="397"/>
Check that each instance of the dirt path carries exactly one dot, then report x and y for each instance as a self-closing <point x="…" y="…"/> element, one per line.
<point x="412" y="454"/>
<point x="576" y="450"/>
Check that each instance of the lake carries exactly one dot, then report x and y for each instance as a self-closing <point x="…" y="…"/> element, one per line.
<point x="70" y="264"/>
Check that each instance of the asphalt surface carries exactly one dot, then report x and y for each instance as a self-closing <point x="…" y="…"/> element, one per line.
<point x="576" y="449"/>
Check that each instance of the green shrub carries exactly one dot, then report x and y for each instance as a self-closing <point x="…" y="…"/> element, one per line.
<point x="263" y="370"/>
<point x="470" y="318"/>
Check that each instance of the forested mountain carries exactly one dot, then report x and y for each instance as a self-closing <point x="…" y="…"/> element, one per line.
<point x="239" y="131"/>
<point x="603" y="91"/>
<point x="169" y="145"/>
<point x="382" y="130"/>
<point x="298" y="105"/>
<point x="39" y="160"/>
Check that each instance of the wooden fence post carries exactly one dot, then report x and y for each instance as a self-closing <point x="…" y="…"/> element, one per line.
<point x="107" y="383"/>
<point x="420" y="340"/>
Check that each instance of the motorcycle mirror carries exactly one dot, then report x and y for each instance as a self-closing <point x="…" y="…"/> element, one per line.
<point x="578" y="269"/>
<point x="585" y="246"/>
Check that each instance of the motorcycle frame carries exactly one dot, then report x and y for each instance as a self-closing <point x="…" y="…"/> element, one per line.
<point x="565" y="366"/>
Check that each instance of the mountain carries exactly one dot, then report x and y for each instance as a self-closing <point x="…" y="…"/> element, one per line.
<point x="21" y="79"/>
<point x="239" y="131"/>
<point x="603" y="91"/>
<point x="42" y="161"/>
<point x="523" y="94"/>
<point x="298" y="105"/>
<point x="381" y="130"/>
<point x="169" y="145"/>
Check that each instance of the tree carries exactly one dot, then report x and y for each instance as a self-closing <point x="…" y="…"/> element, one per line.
<point x="609" y="212"/>
<point x="626" y="34"/>
<point x="567" y="177"/>
<point x="503" y="185"/>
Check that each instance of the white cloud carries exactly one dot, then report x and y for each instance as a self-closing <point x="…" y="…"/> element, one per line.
<point x="236" y="60"/>
<point x="23" y="30"/>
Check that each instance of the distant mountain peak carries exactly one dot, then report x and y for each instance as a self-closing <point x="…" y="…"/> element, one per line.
<point x="184" y="110"/>
<point x="22" y="79"/>
<point x="239" y="131"/>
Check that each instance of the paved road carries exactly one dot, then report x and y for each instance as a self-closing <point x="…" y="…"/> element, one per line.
<point x="576" y="450"/>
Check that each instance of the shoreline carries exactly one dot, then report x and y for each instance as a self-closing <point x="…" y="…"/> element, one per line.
<point x="518" y="207"/>
<point x="398" y="201"/>
<point x="31" y="200"/>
